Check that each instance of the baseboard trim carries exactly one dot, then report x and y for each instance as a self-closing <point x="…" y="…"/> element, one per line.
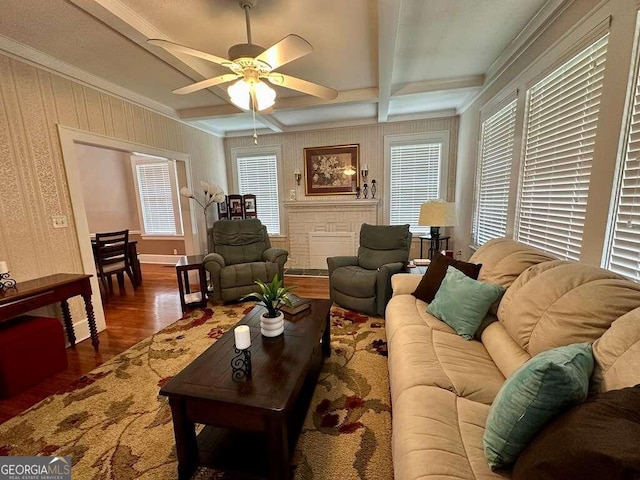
<point x="81" y="329"/>
<point x="158" y="259"/>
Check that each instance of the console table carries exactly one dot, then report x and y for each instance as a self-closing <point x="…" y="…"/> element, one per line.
<point x="40" y="292"/>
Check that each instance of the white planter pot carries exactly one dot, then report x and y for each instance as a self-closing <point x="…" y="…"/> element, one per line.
<point x="272" y="327"/>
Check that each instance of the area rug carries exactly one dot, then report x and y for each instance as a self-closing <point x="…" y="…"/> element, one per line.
<point x="115" y="425"/>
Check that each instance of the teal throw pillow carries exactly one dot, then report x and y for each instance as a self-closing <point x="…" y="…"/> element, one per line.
<point x="462" y="302"/>
<point x="545" y="386"/>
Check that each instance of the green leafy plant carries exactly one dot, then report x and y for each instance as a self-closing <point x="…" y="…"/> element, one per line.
<point x="272" y="296"/>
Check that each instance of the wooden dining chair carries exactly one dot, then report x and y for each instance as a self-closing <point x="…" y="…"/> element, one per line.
<point x="112" y="258"/>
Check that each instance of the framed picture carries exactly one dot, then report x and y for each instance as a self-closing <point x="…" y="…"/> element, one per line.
<point x="249" y="206"/>
<point x="223" y="211"/>
<point x="332" y="170"/>
<point x="235" y="207"/>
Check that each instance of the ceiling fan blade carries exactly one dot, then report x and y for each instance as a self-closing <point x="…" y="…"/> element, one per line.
<point x="286" y="50"/>
<point x="210" y="82"/>
<point x="303" y="86"/>
<point x="177" y="48"/>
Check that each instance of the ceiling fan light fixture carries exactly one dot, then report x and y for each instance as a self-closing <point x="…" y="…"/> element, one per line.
<point x="240" y="94"/>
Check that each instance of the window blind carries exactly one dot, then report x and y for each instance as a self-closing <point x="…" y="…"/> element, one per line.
<point x="258" y="175"/>
<point x="414" y="179"/>
<point x="561" y="121"/>
<point x="624" y="246"/>
<point x="494" y="174"/>
<point x="156" y="198"/>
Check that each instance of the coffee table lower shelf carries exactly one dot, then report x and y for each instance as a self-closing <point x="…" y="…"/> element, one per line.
<point x="245" y="455"/>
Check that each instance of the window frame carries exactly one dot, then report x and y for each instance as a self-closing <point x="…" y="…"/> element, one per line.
<point x="275" y="150"/>
<point x="596" y="35"/>
<point x="488" y="113"/>
<point x="440" y="136"/>
<point x="138" y="159"/>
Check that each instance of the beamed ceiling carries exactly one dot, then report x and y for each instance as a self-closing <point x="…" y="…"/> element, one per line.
<point x="389" y="59"/>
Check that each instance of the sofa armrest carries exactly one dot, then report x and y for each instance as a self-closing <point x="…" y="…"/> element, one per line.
<point x="336" y="262"/>
<point x="214" y="258"/>
<point x="272" y="254"/>
<point x="405" y="283"/>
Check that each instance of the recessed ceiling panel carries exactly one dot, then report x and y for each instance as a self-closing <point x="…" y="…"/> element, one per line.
<point x="431" y="101"/>
<point x="342" y="33"/>
<point x="332" y="113"/>
<point x="440" y="39"/>
<point x="64" y="31"/>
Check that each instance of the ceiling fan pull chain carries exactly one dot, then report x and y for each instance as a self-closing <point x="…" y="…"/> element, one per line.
<point x="255" y="133"/>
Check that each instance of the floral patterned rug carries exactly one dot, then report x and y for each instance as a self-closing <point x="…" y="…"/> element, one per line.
<point x="116" y="426"/>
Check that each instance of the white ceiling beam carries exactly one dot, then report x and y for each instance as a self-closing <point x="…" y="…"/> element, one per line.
<point x="440" y="85"/>
<point x="362" y="95"/>
<point x="388" y="27"/>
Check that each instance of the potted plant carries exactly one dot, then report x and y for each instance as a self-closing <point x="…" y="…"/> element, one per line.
<point x="271" y="296"/>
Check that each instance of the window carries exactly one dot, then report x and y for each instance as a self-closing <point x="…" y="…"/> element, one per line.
<point x="494" y="174"/>
<point x="561" y="121"/>
<point x="156" y="185"/>
<point x="258" y="175"/>
<point x="624" y="245"/>
<point x="416" y="175"/>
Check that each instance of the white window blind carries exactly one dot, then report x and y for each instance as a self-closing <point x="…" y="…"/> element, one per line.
<point x="494" y="174"/>
<point x="156" y="198"/>
<point x="624" y="246"/>
<point x="562" y="116"/>
<point x="258" y="175"/>
<point x="414" y="179"/>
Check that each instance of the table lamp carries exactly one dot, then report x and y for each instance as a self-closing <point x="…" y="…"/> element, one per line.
<point x="436" y="214"/>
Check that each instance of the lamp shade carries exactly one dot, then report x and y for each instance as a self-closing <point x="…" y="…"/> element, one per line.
<point x="438" y="214"/>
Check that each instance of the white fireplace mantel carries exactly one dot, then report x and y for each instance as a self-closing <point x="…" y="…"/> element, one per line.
<point x="306" y="217"/>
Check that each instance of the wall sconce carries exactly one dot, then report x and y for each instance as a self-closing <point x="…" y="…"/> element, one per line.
<point x="364" y="172"/>
<point x="297" y="175"/>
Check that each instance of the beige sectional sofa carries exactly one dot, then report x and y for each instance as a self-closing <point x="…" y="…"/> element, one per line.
<point x="442" y="385"/>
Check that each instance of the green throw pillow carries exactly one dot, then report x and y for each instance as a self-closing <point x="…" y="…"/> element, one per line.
<point x="462" y="302"/>
<point x="546" y="385"/>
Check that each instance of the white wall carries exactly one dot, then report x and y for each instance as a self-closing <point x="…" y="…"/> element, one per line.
<point x="107" y="189"/>
<point x="546" y="52"/>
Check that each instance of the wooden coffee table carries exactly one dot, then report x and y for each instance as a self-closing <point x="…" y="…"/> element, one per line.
<point x="251" y="425"/>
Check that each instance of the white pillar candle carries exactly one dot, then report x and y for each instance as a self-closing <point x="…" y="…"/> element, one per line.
<point x="243" y="337"/>
<point x="4" y="268"/>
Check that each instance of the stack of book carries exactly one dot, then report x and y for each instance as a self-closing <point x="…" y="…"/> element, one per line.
<point x="298" y="305"/>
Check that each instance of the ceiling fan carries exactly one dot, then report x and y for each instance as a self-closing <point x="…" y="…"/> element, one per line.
<point x="251" y="63"/>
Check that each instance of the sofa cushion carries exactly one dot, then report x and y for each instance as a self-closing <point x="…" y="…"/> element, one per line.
<point x="504" y="259"/>
<point x="597" y="439"/>
<point x="241" y="241"/>
<point x="405" y="310"/>
<point x="468" y="366"/>
<point x="505" y="353"/>
<point x="245" y="274"/>
<point x="431" y="280"/>
<point x="413" y="361"/>
<point x="462" y="302"/>
<point x="437" y="435"/>
<point x="539" y="390"/>
<point x="560" y="303"/>
<point x="617" y="354"/>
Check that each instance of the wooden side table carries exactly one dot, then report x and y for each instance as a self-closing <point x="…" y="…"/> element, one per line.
<point x="184" y="265"/>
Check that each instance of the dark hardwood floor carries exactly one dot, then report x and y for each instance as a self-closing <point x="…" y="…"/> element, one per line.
<point x="131" y="317"/>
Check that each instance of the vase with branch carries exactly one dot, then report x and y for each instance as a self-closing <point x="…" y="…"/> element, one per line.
<point x="211" y="194"/>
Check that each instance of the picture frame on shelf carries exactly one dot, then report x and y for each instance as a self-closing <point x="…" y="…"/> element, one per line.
<point x="236" y="207"/>
<point x="223" y="209"/>
<point x="332" y="170"/>
<point x="249" y="204"/>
